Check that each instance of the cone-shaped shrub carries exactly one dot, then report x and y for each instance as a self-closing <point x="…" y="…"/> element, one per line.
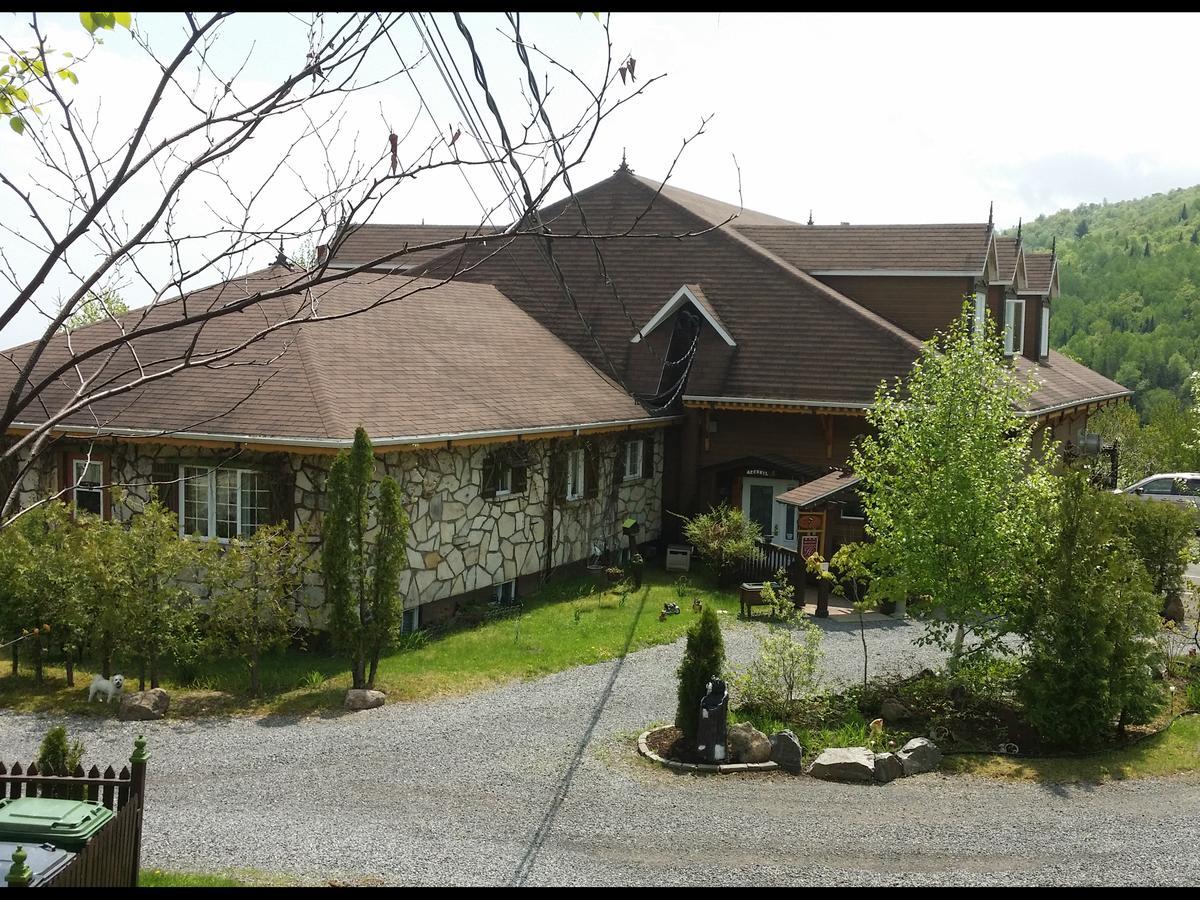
<point x="703" y="658"/>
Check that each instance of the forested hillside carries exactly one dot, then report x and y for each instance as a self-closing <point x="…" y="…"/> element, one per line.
<point x="1130" y="277"/>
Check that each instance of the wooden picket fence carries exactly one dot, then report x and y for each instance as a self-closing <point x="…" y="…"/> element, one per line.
<point x="112" y="858"/>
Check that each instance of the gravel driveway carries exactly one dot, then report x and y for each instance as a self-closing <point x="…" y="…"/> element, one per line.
<point x="538" y="783"/>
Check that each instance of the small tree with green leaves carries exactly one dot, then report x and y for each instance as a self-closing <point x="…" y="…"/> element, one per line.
<point x="361" y="564"/>
<point x="851" y="564"/>
<point x="255" y="586"/>
<point x="58" y="755"/>
<point x="160" y="613"/>
<point x="703" y="659"/>
<point x="1089" y="624"/>
<point x="1161" y="536"/>
<point x="725" y="536"/>
<point x="953" y="486"/>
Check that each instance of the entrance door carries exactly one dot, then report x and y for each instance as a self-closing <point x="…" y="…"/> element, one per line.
<point x="777" y="520"/>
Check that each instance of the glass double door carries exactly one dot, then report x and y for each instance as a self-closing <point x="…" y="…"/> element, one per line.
<point x="777" y="520"/>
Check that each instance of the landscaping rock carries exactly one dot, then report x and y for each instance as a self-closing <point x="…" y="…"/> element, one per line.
<point x="892" y="710"/>
<point x="786" y="751"/>
<point x="844" y="764"/>
<point x="747" y="744"/>
<point x="887" y="767"/>
<point x="920" y="755"/>
<point x="142" y="706"/>
<point x="358" y="698"/>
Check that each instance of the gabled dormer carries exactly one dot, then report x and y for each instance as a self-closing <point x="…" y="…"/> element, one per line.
<point x="686" y="313"/>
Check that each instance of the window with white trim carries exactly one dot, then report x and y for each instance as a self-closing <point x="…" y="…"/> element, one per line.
<point x="411" y="620"/>
<point x="504" y="480"/>
<point x="575" y="474"/>
<point x="87" y="492"/>
<point x="634" y="451"/>
<point x="1044" y="349"/>
<point x="1014" y="326"/>
<point x="222" y="503"/>
<point x="980" y="312"/>
<point x="505" y="592"/>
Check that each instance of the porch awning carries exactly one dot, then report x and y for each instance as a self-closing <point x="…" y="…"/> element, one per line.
<point x="819" y="489"/>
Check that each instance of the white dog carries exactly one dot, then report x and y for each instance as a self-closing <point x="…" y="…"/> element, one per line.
<point x="107" y="689"/>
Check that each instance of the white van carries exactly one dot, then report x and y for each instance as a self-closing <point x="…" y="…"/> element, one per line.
<point x="1174" y="487"/>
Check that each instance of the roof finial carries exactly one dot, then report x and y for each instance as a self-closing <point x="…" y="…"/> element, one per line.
<point x="281" y="259"/>
<point x="991" y="203"/>
<point x="1019" y="230"/>
<point x="1053" y="246"/>
<point x="624" y="167"/>
<point x="810" y="217"/>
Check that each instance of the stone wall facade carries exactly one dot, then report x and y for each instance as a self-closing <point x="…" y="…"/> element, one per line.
<point x="460" y="541"/>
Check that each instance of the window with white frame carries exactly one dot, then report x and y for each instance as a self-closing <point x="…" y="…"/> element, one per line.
<point x="633" y="459"/>
<point x="504" y="480"/>
<point x="1014" y="326"/>
<point x="980" y="311"/>
<point x="505" y="592"/>
<point x="87" y="480"/>
<point x="411" y="620"/>
<point x="222" y="503"/>
<point x="1044" y="349"/>
<point x="575" y="474"/>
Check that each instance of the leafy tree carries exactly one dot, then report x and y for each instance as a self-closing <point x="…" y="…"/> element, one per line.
<point x="254" y="595"/>
<point x="105" y="593"/>
<point x="724" y="535"/>
<point x="361" y="568"/>
<point x="1160" y="535"/>
<point x="1146" y="249"/>
<point x="1090" y="623"/>
<point x="97" y="307"/>
<point x="38" y="572"/>
<point x="851" y="564"/>
<point x="1183" y="213"/>
<point x="1081" y="229"/>
<point x="953" y="486"/>
<point x="160" y="613"/>
<point x="703" y="659"/>
<point x="787" y="667"/>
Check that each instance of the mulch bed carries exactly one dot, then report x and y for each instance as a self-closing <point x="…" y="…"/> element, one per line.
<point x="669" y="744"/>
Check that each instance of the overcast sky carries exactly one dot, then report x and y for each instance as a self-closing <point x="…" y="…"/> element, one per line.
<point x="860" y="118"/>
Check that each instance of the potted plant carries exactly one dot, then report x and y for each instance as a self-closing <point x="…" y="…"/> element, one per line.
<point x="614" y="574"/>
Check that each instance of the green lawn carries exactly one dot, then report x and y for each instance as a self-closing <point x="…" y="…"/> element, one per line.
<point x="159" y="878"/>
<point x="1175" y="751"/>
<point x="571" y="623"/>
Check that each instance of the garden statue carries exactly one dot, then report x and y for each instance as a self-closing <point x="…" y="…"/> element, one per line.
<point x="714" y="713"/>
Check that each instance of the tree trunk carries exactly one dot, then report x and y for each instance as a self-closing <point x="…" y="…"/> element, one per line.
<point x="142" y="674"/>
<point x="255" y="680"/>
<point x="37" y="660"/>
<point x="106" y="656"/>
<point x="959" y="635"/>
<point x="16" y="657"/>
<point x="70" y="670"/>
<point x="153" y="671"/>
<point x="862" y="633"/>
<point x="374" y="667"/>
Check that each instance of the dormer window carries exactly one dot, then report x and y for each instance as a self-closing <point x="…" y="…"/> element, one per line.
<point x="1014" y="326"/>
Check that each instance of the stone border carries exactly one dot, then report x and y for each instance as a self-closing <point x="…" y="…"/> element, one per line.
<point x="703" y="768"/>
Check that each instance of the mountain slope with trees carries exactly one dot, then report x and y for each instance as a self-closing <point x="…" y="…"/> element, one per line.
<point x="1130" y="279"/>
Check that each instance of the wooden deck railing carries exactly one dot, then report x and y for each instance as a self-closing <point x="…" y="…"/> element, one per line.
<point x="769" y="559"/>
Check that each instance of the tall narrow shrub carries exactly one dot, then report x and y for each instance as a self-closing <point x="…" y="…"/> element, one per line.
<point x="362" y="564"/>
<point x="703" y="658"/>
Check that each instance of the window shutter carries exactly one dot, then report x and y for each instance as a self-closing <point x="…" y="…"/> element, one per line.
<point x="519" y="479"/>
<point x="165" y="476"/>
<point x="648" y="456"/>
<point x="282" y="484"/>
<point x="558" y="476"/>
<point x="490" y="473"/>
<point x="591" y="473"/>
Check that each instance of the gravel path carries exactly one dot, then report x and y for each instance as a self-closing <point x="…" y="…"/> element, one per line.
<point x="538" y="783"/>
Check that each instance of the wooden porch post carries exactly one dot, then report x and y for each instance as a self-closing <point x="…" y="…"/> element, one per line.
<point x="137" y="789"/>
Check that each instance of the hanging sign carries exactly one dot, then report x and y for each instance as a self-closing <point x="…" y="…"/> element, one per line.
<point x="809" y="544"/>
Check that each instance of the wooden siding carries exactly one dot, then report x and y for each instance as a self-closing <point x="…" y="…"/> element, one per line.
<point x="921" y="306"/>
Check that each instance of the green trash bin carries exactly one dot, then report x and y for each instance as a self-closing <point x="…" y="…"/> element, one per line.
<point x="68" y="824"/>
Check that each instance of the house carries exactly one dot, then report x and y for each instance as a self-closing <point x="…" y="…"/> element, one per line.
<point x="656" y="353"/>
<point x="506" y="473"/>
<point x="769" y="337"/>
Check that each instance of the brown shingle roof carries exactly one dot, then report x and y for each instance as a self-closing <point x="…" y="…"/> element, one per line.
<point x="1064" y="382"/>
<point x="862" y="248"/>
<point x="714" y="212"/>
<point x="819" y="489"/>
<point x="365" y="243"/>
<point x="1006" y="258"/>
<point x="1039" y="270"/>
<point x="436" y="360"/>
